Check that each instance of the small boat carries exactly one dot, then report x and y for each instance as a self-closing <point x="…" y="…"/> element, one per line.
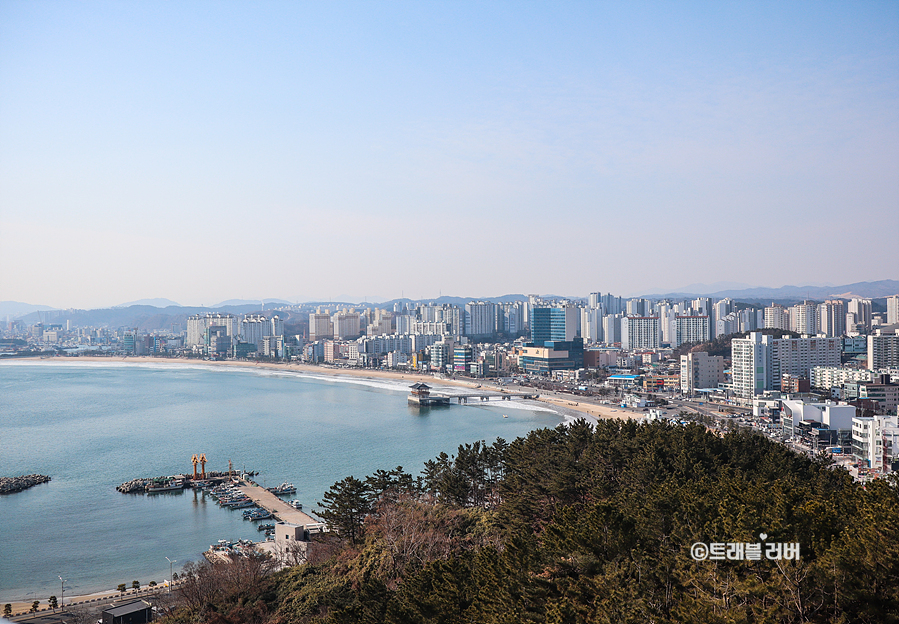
<point x="296" y="505"/>
<point x="165" y="486"/>
<point x="505" y="416"/>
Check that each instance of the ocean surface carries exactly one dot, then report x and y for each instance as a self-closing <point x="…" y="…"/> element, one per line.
<point x="92" y="426"/>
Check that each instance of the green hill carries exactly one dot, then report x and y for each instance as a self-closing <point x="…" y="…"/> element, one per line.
<point x="582" y="524"/>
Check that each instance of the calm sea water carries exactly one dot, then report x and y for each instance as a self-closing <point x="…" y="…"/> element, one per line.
<point x="92" y="426"/>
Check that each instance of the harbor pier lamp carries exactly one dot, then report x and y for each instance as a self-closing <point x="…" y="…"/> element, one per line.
<point x="171" y="563"/>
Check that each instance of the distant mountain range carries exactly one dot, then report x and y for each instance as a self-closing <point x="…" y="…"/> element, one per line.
<point x="881" y="288"/>
<point x="151" y="314"/>
<point x="256" y="302"/>
<point x="156" y="303"/>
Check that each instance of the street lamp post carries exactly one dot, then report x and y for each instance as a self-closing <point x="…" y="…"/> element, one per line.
<point x="171" y="563"/>
<point x="62" y="595"/>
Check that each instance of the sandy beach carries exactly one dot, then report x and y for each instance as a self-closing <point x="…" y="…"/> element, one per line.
<point x="565" y="406"/>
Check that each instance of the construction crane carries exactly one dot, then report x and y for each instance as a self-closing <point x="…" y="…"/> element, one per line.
<point x="195" y="461"/>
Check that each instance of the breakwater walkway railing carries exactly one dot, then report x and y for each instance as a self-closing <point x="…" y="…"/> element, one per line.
<point x="462" y="397"/>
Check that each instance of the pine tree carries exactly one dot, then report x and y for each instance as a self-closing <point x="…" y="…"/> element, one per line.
<point x="345" y="506"/>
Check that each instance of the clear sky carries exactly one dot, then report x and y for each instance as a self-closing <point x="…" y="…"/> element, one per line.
<point x="205" y="151"/>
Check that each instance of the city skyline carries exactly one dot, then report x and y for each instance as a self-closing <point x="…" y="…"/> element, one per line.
<point x="217" y="151"/>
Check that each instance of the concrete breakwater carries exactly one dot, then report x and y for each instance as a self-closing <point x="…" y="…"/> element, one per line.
<point x="8" y="485"/>
<point x="141" y="485"/>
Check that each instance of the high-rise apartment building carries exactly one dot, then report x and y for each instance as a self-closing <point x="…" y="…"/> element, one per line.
<point x="346" y="325"/>
<point x="759" y="361"/>
<point x="861" y="309"/>
<point x="480" y="318"/>
<point x="591" y="325"/>
<point x="320" y="325"/>
<point x="692" y="328"/>
<point x="804" y="318"/>
<point x="883" y="351"/>
<point x="198" y="324"/>
<point x="893" y="310"/>
<point x="611" y="329"/>
<point x="776" y="317"/>
<point x="832" y="318"/>
<point x="638" y="307"/>
<point x="640" y="332"/>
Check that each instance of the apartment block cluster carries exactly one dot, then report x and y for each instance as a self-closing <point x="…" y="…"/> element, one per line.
<point x="835" y="389"/>
<point x="539" y="336"/>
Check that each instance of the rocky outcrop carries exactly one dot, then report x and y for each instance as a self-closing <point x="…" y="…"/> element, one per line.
<point x="8" y="485"/>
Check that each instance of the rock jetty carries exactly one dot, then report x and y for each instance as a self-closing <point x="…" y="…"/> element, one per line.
<point x="8" y="485"/>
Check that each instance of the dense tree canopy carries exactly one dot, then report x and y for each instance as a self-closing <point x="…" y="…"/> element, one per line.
<point x="595" y="524"/>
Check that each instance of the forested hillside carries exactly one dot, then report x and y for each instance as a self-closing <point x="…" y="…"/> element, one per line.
<point x="584" y="524"/>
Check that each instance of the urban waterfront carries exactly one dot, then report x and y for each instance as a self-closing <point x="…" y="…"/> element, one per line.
<point x="92" y="426"/>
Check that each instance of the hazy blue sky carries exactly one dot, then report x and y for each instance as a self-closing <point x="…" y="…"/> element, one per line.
<point x="204" y="151"/>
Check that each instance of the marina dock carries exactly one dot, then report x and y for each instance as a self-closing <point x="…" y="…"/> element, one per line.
<point x="280" y="509"/>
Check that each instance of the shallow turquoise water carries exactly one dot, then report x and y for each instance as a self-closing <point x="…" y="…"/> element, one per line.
<point x="92" y="426"/>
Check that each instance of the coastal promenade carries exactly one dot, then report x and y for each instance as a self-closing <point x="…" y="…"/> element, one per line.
<point x="281" y="510"/>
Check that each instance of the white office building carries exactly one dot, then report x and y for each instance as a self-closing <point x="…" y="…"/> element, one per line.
<point x="836" y="416"/>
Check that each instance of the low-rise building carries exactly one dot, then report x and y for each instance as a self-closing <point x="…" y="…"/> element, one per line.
<point x="700" y="370"/>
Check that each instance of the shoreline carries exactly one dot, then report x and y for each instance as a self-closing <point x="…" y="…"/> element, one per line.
<point x="22" y="607"/>
<point x="567" y="408"/>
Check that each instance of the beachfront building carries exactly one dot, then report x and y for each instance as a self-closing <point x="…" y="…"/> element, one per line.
<point x="549" y="356"/>
<point x="320" y="325"/>
<point x="555" y="323"/>
<point x="198" y="327"/>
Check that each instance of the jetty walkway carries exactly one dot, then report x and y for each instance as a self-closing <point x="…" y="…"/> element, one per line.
<point x="487" y="395"/>
<point x="281" y="510"/>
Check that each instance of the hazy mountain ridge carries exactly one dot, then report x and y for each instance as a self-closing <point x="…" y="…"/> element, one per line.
<point x="877" y="289"/>
<point x="148" y="316"/>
